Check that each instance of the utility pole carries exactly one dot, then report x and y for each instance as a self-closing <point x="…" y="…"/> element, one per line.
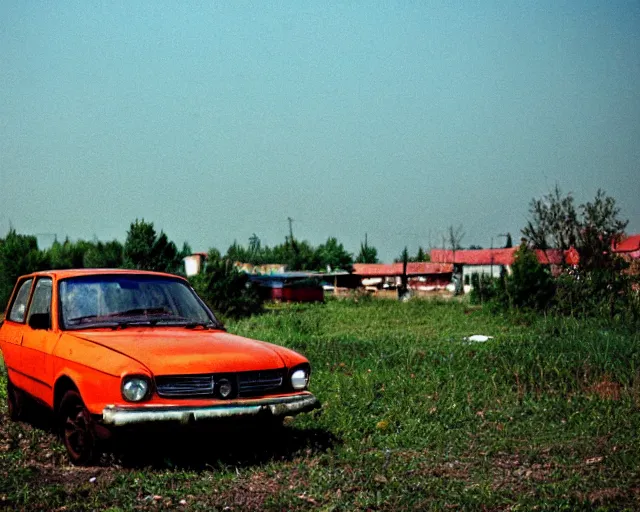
<point x="290" y="229"/>
<point x="505" y="235"/>
<point x="491" y="257"/>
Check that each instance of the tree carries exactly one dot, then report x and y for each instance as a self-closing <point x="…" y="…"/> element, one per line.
<point x="19" y="255"/>
<point x="255" y="254"/>
<point x="553" y="222"/>
<point x="420" y="256"/>
<point x="592" y="228"/>
<point x="600" y="229"/>
<point x="144" y="250"/>
<point x="368" y="253"/>
<point x="299" y="255"/>
<point x="104" y="255"/>
<point x="68" y="254"/>
<point x="225" y="289"/>
<point x="455" y="236"/>
<point x="236" y="252"/>
<point x="332" y="255"/>
<point x="404" y="280"/>
<point x="601" y="283"/>
<point x="255" y="249"/>
<point x="530" y="286"/>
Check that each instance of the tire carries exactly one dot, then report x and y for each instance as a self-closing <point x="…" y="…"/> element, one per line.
<point x="76" y="430"/>
<point x="15" y="402"/>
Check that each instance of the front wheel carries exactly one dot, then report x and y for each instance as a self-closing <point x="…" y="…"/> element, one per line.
<point x="76" y="429"/>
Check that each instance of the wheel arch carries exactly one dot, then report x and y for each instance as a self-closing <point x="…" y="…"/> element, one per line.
<point x="63" y="384"/>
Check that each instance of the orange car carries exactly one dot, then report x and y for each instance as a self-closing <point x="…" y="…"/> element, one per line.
<point x="111" y="348"/>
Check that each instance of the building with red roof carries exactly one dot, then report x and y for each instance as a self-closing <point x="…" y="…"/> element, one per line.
<point x="493" y="261"/>
<point x="629" y="247"/>
<point x="502" y="257"/>
<point x="421" y="268"/>
<point x="422" y="275"/>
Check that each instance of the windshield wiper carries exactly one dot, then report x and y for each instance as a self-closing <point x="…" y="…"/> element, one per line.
<point x="205" y="325"/>
<point x="94" y="325"/>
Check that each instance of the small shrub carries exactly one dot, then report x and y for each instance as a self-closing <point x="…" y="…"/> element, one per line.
<point x="606" y="292"/>
<point x="226" y="290"/>
<point x="485" y="288"/>
<point x="530" y="285"/>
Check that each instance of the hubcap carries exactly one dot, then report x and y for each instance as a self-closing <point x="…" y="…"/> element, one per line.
<point x="77" y="433"/>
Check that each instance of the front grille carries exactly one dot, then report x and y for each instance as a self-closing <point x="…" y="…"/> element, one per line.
<point x="244" y="384"/>
<point x="180" y="386"/>
<point x="259" y="383"/>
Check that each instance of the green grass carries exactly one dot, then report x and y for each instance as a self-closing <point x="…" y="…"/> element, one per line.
<point x="543" y="416"/>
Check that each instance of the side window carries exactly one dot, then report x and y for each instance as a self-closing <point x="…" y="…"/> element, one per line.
<point x="41" y="302"/>
<point x="19" y="306"/>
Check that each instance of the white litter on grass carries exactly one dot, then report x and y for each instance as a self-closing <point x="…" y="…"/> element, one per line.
<point x="478" y="338"/>
<point x="92" y="479"/>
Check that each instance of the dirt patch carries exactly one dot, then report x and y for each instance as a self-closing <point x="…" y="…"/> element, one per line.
<point x="606" y="389"/>
<point x="607" y="495"/>
<point x="510" y="470"/>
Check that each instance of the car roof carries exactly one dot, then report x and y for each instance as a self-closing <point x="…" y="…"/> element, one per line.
<point x="79" y="272"/>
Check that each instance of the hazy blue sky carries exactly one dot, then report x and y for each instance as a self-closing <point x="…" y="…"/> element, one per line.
<point x="397" y="119"/>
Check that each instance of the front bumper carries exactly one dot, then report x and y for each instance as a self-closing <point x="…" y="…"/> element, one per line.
<point x="118" y="416"/>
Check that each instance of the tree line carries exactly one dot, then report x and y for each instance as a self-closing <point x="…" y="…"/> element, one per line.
<point x="143" y="249"/>
<point x="602" y="284"/>
<point x="146" y="249"/>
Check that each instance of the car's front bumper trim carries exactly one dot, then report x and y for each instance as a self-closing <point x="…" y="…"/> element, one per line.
<point x="118" y="416"/>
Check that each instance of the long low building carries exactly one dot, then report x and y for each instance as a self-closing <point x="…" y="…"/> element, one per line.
<point x="422" y="275"/>
<point x="492" y="261"/>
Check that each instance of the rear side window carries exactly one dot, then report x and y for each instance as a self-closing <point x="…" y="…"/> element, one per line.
<point x="41" y="302"/>
<point x="19" y="306"/>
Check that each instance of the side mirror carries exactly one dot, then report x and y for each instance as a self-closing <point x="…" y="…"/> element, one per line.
<point x="40" y="321"/>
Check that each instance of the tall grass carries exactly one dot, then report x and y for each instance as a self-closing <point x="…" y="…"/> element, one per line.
<point x="403" y="375"/>
<point x="544" y="415"/>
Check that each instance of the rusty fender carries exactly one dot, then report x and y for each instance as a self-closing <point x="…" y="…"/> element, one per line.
<point x="276" y="406"/>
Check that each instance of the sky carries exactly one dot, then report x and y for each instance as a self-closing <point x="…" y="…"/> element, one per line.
<point x="216" y="120"/>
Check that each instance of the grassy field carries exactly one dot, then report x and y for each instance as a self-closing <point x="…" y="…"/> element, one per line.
<point x="544" y="416"/>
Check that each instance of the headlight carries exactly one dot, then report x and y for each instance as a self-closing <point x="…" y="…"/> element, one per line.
<point x="135" y="389"/>
<point x="299" y="379"/>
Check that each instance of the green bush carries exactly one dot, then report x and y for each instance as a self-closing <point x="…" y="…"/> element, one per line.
<point x="144" y="249"/>
<point x="606" y="292"/>
<point x="485" y="288"/>
<point x="530" y="285"/>
<point x="19" y="255"/>
<point x="225" y="289"/>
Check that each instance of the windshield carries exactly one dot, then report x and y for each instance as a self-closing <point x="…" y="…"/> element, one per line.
<point x="118" y="301"/>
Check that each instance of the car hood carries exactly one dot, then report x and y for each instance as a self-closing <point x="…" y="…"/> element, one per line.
<point x="172" y="351"/>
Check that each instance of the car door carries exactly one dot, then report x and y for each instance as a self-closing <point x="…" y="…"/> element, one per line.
<point x="38" y="341"/>
<point x="13" y="330"/>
